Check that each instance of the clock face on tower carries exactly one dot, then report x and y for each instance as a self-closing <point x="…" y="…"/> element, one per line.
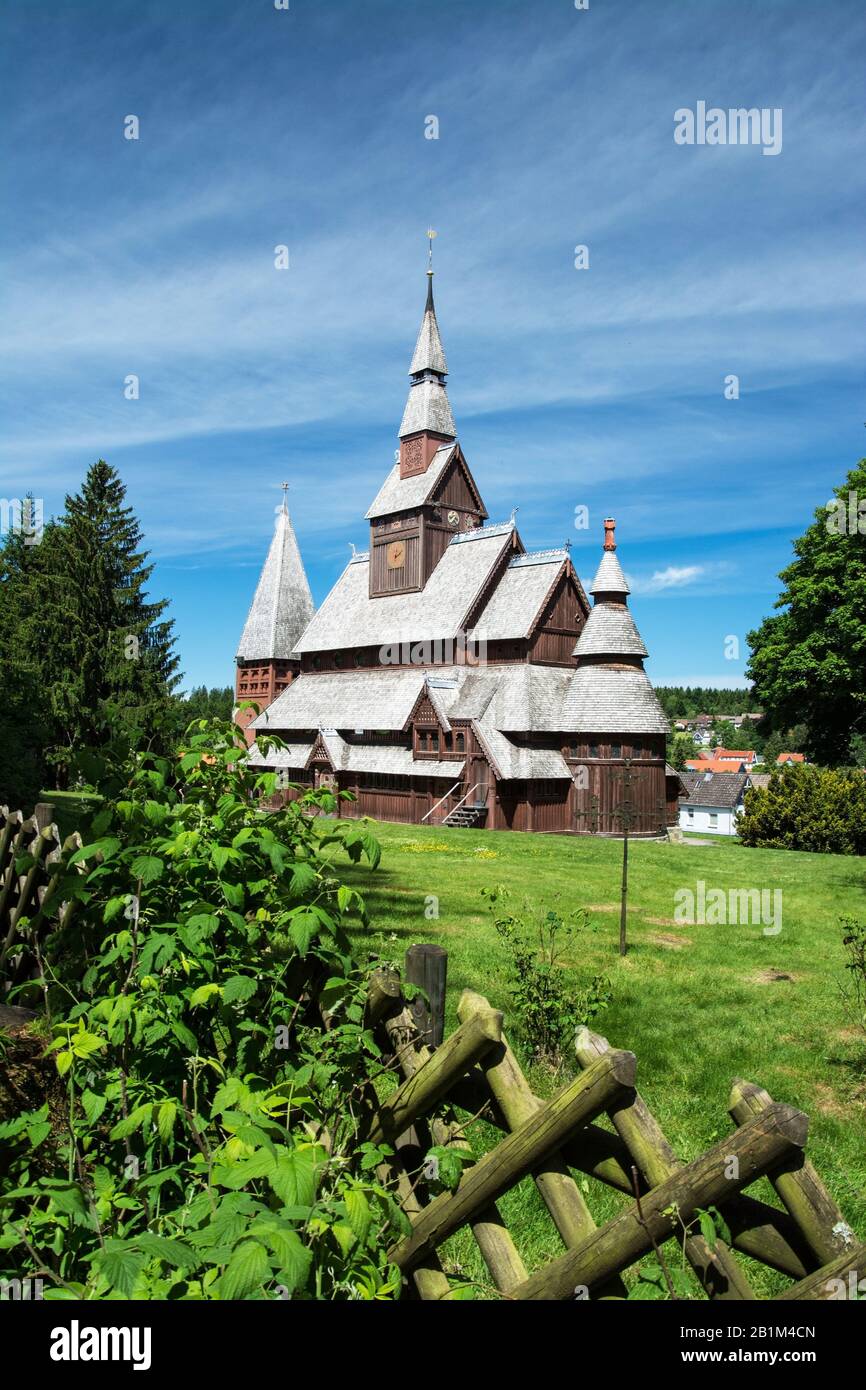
<point x="396" y="554"/>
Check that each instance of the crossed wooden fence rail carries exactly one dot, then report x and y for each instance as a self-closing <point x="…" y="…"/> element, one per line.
<point x="31" y="850"/>
<point x="475" y="1070"/>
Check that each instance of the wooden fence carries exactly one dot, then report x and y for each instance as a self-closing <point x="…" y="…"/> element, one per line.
<point x="30" y="858"/>
<point x="475" y="1070"/>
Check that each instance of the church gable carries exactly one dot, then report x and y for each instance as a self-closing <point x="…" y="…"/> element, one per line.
<point x="560" y="620"/>
<point x="456" y="490"/>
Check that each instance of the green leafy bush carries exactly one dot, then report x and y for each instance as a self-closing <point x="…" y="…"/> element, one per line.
<point x="207" y="1026"/>
<point x="807" y="808"/>
<point x="548" y="1004"/>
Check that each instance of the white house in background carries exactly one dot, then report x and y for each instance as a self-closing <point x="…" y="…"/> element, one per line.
<point x="714" y="802"/>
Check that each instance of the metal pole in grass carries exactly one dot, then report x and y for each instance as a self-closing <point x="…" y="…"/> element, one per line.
<point x="626" y="813"/>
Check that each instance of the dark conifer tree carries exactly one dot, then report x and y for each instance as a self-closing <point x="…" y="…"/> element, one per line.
<point x="121" y="666"/>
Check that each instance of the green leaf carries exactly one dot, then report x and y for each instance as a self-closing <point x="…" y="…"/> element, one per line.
<point x="147" y="867"/>
<point x="137" y="1120"/>
<point x="241" y="987"/>
<point x="107" y="848"/>
<point x="172" y="1252"/>
<point x="121" y="1265"/>
<point x="165" y="1119"/>
<point x="708" y="1228"/>
<point x="294" y="1175"/>
<point x="304" y="880"/>
<point x="203" y="994"/>
<point x="37" y="1132"/>
<point x="344" y="1236"/>
<point x="237" y="1175"/>
<point x="358" y="1209"/>
<point x="93" y="1105"/>
<point x="183" y="1034"/>
<point x="219" y="857"/>
<point x="247" y="1270"/>
<point x="303" y="926"/>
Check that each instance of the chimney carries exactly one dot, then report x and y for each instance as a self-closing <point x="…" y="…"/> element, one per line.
<point x="609" y="527"/>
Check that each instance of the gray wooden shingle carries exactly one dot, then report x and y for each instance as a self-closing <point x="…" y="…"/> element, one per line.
<point x="282" y="604"/>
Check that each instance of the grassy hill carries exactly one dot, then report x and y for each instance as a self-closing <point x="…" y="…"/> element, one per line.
<point x="698" y="1005"/>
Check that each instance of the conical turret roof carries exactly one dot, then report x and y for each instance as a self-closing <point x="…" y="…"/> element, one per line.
<point x="427" y="405"/>
<point x="429" y="355"/>
<point x="609" y="578"/>
<point x="282" y="605"/>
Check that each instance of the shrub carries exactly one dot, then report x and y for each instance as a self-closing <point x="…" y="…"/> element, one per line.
<point x="548" y="1005"/>
<point x="207" y="1024"/>
<point x="807" y="808"/>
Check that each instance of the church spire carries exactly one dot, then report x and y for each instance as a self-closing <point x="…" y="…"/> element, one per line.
<point x="427" y="420"/>
<point x="282" y="605"/>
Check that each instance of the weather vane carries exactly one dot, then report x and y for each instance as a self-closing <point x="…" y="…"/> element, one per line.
<point x="430" y="235"/>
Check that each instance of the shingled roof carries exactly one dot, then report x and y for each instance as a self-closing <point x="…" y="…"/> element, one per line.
<point x="404" y="494"/>
<point x="379" y="699"/>
<point x="721" y="789"/>
<point x="282" y="604"/>
<point x="429" y="354"/>
<point x="517" y="599"/>
<point x="610" y="631"/>
<point x="349" y="617"/>
<point x="609" y="578"/>
<point x="611" y="700"/>
<point x="610" y="692"/>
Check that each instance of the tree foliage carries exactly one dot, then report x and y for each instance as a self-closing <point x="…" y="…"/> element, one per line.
<point x="808" y="808"/>
<point x="82" y="647"/>
<point x="808" y="661"/>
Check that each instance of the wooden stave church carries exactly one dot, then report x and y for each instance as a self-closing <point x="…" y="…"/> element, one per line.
<point x="451" y="676"/>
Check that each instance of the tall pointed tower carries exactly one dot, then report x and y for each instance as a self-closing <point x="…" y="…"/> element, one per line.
<point x="427" y="421"/>
<point x="281" y="608"/>
<point x="430" y="493"/>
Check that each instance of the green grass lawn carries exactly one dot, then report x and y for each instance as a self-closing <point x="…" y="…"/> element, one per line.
<point x="698" y="1005"/>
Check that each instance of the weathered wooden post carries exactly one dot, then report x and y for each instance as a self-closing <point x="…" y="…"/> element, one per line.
<point x="427" y="966"/>
<point x="43" y="814"/>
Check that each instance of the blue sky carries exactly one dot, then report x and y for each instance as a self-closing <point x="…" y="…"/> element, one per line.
<point x="601" y="387"/>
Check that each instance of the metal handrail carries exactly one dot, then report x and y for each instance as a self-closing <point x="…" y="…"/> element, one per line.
<point x="439" y="802"/>
<point x="463" y="798"/>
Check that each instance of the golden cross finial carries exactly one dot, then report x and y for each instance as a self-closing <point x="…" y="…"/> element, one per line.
<point x="430" y="235"/>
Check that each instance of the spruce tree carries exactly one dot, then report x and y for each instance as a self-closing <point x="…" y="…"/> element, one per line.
<point x="27" y="595"/>
<point x="119" y="667"/>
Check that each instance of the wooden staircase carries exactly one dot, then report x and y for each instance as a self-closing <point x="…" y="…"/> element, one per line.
<point x="466" y="816"/>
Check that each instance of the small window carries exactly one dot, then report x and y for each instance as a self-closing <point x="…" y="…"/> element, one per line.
<point x="572" y="750"/>
<point x="460" y="743"/>
<point x="714" y="820"/>
<point x="593" y="750"/>
<point x="616" y="750"/>
<point x="690" y="812"/>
